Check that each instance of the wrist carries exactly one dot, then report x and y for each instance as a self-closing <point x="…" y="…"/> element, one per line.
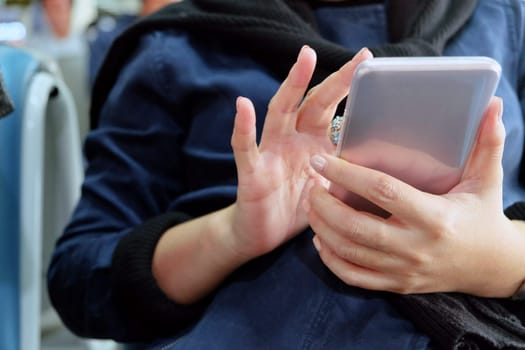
<point x="500" y="270"/>
<point x="519" y="294"/>
<point x="225" y="241"/>
<point x="193" y="258"/>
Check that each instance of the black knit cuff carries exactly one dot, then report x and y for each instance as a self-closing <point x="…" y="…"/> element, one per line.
<point x="444" y="335"/>
<point x="460" y="321"/>
<point x="147" y="310"/>
<point x="516" y="211"/>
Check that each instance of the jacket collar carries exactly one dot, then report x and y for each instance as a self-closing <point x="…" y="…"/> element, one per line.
<point x="270" y="29"/>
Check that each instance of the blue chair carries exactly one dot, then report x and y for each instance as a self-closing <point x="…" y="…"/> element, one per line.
<point x="40" y="178"/>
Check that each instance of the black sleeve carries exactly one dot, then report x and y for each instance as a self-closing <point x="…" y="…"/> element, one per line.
<point x="516" y="211"/>
<point x="136" y="288"/>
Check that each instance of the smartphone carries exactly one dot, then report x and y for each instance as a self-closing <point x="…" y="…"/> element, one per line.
<point x="416" y="119"/>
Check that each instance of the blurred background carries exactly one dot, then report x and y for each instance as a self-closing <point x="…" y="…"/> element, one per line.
<point x="70" y="39"/>
<point x="74" y="34"/>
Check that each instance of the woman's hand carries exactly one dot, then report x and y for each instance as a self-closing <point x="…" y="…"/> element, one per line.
<point x="460" y="241"/>
<point x="192" y="258"/>
<point x="273" y="175"/>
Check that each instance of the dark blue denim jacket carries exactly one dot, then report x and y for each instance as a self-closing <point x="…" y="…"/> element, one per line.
<point x="163" y="144"/>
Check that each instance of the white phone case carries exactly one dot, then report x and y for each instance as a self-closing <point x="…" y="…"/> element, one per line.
<point x="415" y="119"/>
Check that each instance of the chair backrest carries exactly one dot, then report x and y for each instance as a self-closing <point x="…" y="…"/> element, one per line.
<point x="40" y="177"/>
<point x="17" y="70"/>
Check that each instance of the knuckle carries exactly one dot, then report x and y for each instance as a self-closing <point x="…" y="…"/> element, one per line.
<point x="380" y="240"/>
<point x="357" y="231"/>
<point x="354" y="228"/>
<point x="409" y="284"/>
<point x="384" y="189"/>
<point x="272" y="105"/>
<point x="444" y="226"/>
<point x="419" y="260"/>
<point x="311" y="92"/>
<point x="234" y="142"/>
<point x="350" y="254"/>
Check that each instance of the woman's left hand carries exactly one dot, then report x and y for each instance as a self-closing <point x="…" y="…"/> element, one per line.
<point x="460" y="241"/>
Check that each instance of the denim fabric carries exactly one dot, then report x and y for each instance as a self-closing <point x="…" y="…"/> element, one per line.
<point x="163" y="143"/>
<point x="289" y="300"/>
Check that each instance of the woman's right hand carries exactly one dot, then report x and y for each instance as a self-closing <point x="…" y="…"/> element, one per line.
<point x="193" y="258"/>
<point x="273" y="176"/>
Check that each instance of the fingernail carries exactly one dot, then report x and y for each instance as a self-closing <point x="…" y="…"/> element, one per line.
<point x="305" y="47"/>
<point x="317" y="243"/>
<point x="318" y="163"/>
<point x="365" y="53"/>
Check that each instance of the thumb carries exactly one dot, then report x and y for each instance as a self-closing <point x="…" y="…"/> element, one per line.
<point x="484" y="164"/>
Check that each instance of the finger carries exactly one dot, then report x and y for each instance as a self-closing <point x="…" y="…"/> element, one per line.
<point x="281" y="119"/>
<point x="358" y="276"/>
<point x="484" y="165"/>
<point x="396" y="197"/>
<point x="355" y="253"/>
<point x="321" y="101"/>
<point x="243" y="139"/>
<point x="338" y="223"/>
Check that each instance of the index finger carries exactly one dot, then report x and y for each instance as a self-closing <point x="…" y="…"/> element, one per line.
<point x="402" y="200"/>
<point x="319" y="104"/>
<point x="282" y="108"/>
